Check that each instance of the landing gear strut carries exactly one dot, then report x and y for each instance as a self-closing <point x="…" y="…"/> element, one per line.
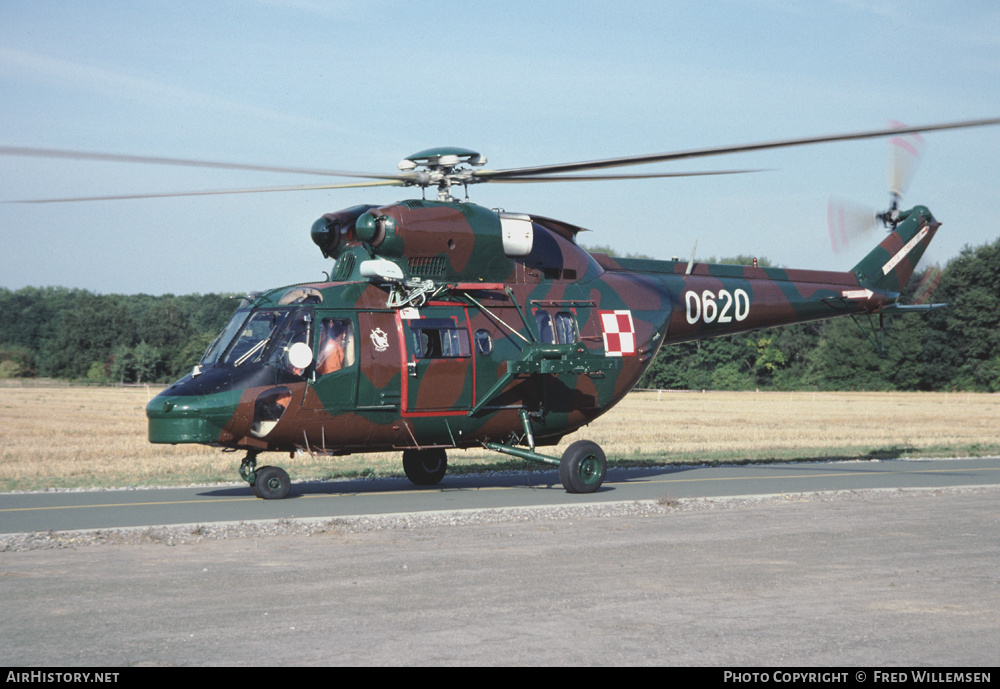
<point x="582" y="467"/>
<point x="267" y="482"/>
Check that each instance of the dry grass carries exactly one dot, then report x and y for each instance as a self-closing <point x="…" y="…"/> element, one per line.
<point x="62" y="436"/>
<point x="762" y="425"/>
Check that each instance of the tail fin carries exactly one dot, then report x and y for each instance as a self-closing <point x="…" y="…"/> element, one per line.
<point x="888" y="267"/>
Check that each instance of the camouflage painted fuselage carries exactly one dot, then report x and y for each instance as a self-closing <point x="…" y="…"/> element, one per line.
<point x="496" y="315"/>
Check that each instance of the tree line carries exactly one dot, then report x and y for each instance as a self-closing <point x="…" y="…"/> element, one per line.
<point x="75" y="334"/>
<point x="56" y="332"/>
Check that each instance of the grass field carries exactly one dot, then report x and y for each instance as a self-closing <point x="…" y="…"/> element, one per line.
<point x="60" y="436"/>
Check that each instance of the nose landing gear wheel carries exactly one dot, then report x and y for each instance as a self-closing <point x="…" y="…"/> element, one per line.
<point x="425" y="467"/>
<point x="583" y="467"/>
<point x="271" y="483"/>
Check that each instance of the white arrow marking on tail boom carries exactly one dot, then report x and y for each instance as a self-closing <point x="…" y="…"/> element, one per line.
<point x="905" y="250"/>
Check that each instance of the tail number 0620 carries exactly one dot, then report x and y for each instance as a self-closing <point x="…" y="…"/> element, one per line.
<point x="724" y="308"/>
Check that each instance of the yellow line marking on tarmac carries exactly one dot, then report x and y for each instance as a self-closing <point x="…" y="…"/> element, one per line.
<point x="838" y="473"/>
<point x="120" y="504"/>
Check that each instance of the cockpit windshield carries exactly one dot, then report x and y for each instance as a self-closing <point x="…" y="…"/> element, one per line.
<point x="254" y="336"/>
<point x="264" y="335"/>
<point x="220" y="343"/>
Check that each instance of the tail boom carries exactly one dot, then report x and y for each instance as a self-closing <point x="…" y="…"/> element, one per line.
<point x="708" y="300"/>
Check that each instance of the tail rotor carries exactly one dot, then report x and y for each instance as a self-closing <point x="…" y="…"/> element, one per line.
<point x="848" y="222"/>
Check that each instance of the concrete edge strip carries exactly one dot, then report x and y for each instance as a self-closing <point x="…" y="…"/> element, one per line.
<point x="172" y="534"/>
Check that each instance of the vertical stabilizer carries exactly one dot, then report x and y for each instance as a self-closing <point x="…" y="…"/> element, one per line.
<point x="888" y="267"/>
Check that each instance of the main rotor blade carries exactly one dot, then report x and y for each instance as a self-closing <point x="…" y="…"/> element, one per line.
<point x="496" y="175"/>
<point x="185" y="162"/>
<point x="597" y="178"/>
<point x="298" y="187"/>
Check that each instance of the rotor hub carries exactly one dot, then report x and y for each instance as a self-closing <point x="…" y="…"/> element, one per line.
<point x="443" y="167"/>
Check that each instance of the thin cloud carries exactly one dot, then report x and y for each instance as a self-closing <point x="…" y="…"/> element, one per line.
<point x="974" y="23"/>
<point x="65" y="74"/>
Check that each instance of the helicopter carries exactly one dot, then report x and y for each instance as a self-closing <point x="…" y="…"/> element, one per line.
<point x="443" y="324"/>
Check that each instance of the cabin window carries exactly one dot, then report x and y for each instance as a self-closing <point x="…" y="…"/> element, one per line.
<point x="566" y="329"/>
<point x="546" y="334"/>
<point x="561" y="330"/>
<point x="484" y="342"/>
<point x="439" y="338"/>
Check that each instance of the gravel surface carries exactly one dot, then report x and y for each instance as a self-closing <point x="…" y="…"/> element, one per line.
<point x="877" y="579"/>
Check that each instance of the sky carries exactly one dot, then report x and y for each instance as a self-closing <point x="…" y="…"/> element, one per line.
<point x="360" y="85"/>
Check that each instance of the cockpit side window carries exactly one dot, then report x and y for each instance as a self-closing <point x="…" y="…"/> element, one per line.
<point x="299" y="329"/>
<point x="336" y="345"/>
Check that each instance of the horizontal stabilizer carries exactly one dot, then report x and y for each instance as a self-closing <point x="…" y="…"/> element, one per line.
<point x="912" y="308"/>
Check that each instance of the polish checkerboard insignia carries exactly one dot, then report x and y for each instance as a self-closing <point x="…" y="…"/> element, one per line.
<point x="619" y="332"/>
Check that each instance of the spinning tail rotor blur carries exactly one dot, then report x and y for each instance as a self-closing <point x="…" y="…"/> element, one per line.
<point x="849" y="222"/>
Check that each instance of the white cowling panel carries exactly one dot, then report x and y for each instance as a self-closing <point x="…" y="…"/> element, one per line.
<point x="518" y="235"/>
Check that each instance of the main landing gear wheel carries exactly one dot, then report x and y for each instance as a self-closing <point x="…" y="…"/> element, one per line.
<point x="271" y="483"/>
<point x="425" y="467"/>
<point x="583" y="467"/>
